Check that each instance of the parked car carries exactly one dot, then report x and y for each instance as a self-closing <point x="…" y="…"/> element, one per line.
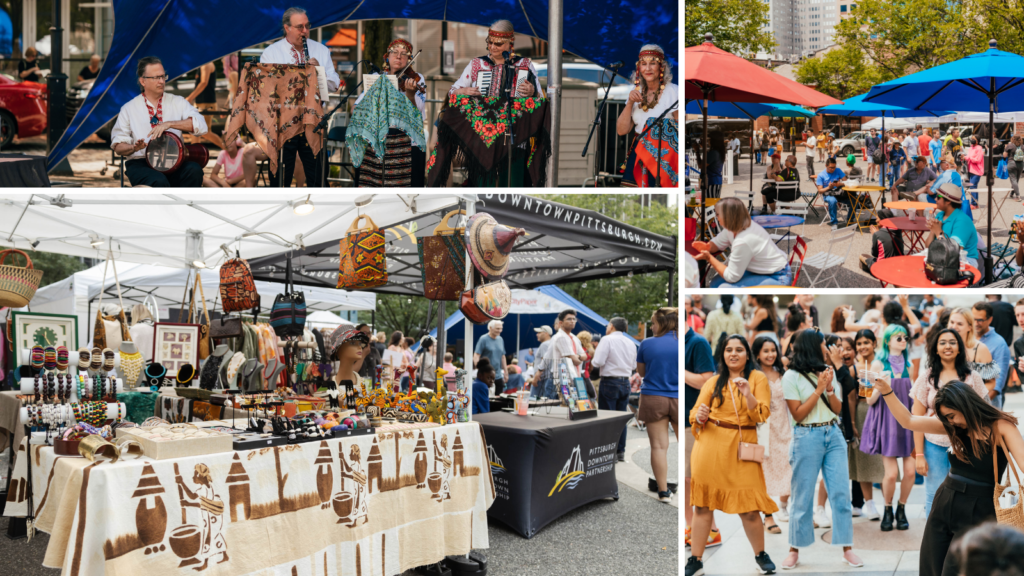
<point x="852" y="143"/>
<point x="22" y="109"/>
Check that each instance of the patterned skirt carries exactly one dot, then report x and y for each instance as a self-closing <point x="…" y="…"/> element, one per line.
<point x="402" y="167"/>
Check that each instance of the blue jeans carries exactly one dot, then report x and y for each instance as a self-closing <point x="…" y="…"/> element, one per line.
<point x="938" y="469"/>
<point x="833" y="207"/>
<point x="813" y="450"/>
<point x="893" y="174"/>
<point x="974" y="181"/>
<point x="783" y="277"/>
<point x="545" y="387"/>
<point x="614" y="395"/>
<point x="757" y="155"/>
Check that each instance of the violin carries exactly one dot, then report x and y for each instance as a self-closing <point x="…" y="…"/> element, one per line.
<point x="408" y="72"/>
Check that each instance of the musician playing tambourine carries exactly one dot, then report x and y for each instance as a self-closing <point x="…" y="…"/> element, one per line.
<point x="482" y="77"/>
<point x="404" y="163"/>
<point x="145" y="118"/>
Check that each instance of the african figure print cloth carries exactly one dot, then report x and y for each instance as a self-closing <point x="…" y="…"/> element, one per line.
<point x="666" y="137"/>
<point x="472" y="131"/>
<point x="379" y="503"/>
<point x="276" y="102"/>
<point x="381" y="109"/>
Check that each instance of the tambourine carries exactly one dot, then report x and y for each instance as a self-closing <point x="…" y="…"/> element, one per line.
<point x="167" y="153"/>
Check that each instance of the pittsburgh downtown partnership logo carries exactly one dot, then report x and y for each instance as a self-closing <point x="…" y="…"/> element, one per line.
<point x="571" y="473"/>
<point x="497" y="467"/>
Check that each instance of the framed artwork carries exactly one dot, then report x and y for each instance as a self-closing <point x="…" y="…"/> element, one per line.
<point x="175" y="345"/>
<point x="30" y="329"/>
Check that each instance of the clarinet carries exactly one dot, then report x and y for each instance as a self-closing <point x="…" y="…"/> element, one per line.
<point x="305" y="50"/>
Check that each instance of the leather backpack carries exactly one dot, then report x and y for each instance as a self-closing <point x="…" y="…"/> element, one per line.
<point x="942" y="265"/>
<point x="237" y="287"/>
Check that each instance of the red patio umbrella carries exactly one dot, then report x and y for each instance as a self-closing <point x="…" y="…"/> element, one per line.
<point x="712" y="74"/>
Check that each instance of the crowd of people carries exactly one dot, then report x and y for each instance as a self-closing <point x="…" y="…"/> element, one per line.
<point x="901" y="391"/>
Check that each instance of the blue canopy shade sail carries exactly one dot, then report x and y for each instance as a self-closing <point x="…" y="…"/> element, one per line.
<point x="747" y="110"/>
<point x="185" y="35"/>
<point x="858" y="106"/>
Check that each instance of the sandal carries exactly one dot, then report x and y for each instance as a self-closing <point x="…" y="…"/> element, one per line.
<point x="773" y="529"/>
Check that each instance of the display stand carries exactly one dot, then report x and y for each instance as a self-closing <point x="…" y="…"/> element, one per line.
<point x="573" y="392"/>
<point x="27" y="386"/>
<point x="112" y="412"/>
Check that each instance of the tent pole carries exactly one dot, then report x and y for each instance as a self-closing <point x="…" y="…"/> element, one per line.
<point x="518" y="328"/>
<point x="441" y="344"/>
<point x="467" y="342"/>
<point x="751" y="162"/>
<point x="554" y="87"/>
<point x="988" y="176"/>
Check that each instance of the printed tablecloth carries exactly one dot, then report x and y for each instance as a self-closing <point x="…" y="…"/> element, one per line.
<point x="374" y="504"/>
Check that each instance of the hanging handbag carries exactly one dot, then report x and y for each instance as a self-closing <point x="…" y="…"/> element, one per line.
<point x="288" y="316"/>
<point x="110" y="331"/>
<point x="237" y="286"/>
<point x="443" y="260"/>
<point x="482" y="304"/>
<point x="747" y="452"/>
<point x="1013" y="515"/>
<point x="226" y="327"/>
<point x="204" y="347"/>
<point x="363" y="262"/>
<point x="18" y="284"/>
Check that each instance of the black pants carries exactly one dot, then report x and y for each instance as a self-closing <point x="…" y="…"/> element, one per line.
<point x="856" y="494"/>
<point x="614" y="395"/>
<point x="189" y="175"/>
<point x="310" y="163"/>
<point x="499" y="386"/>
<point x="957" y="508"/>
<point x="891" y="241"/>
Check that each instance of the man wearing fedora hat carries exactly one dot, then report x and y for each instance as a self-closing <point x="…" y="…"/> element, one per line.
<point x="951" y="222"/>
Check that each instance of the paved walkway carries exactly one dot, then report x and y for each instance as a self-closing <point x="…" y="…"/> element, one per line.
<point x="890" y="553"/>
<point x="817" y="234"/>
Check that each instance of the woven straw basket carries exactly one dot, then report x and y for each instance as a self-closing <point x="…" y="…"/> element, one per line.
<point x="1014" y="515"/>
<point x="17" y="284"/>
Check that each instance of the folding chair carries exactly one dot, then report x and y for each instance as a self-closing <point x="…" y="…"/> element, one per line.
<point x="799" y="250"/>
<point x="747" y="195"/>
<point x="827" y="261"/>
<point x="790" y="209"/>
<point x="809" y="197"/>
<point x="711" y="222"/>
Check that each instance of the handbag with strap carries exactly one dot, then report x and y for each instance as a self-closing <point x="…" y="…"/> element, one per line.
<point x="204" y="347"/>
<point x="226" y="327"/>
<point x="1013" y="515"/>
<point x="237" y="286"/>
<point x="288" y="315"/>
<point x="110" y="331"/>
<point x="747" y="452"/>
<point x="482" y="304"/>
<point x="363" y="262"/>
<point x="443" y="261"/>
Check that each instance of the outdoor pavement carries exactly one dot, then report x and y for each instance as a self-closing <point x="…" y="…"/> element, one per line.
<point x="893" y="553"/>
<point x="817" y="234"/>
<point x="635" y="535"/>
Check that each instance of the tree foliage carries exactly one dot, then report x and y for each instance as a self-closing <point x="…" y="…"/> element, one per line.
<point x="739" y="26"/>
<point x="840" y="73"/>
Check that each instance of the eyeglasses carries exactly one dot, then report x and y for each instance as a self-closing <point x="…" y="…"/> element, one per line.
<point x="301" y="26"/>
<point x="899" y="339"/>
<point x="164" y="77"/>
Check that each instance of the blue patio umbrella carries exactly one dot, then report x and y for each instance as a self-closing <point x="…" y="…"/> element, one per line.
<point x="857" y="106"/>
<point x="750" y="111"/>
<point x="991" y="81"/>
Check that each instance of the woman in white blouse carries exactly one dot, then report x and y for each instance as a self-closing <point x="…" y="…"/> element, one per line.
<point x="755" y="260"/>
<point x="654" y="94"/>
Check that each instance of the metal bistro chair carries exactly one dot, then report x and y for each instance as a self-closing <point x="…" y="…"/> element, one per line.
<point x="827" y="261"/>
<point x="809" y="197"/>
<point x="747" y="195"/>
<point x="795" y="208"/>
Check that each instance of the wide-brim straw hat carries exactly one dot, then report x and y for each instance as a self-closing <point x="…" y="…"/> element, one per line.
<point x="489" y="245"/>
<point x="339" y="337"/>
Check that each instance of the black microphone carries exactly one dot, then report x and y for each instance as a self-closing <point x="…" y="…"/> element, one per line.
<point x="374" y="69"/>
<point x="616" y="65"/>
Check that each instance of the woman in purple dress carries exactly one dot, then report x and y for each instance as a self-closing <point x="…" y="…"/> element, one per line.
<point x="882" y="434"/>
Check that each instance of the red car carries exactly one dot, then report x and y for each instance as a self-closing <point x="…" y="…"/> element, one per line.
<point x="22" y="109"/>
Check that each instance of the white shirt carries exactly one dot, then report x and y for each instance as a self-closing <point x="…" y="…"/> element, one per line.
<point x="562" y="346"/>
<point x="615" y="356"/>
<point x="466" y="80"/>
<point x="811" y="143"/>
<point x="133" y="121"/>
<point x="669" y="97"/>
<point x="752" y="251"/>
<point x="734" y="145"/>
<point x="280" y="52"/>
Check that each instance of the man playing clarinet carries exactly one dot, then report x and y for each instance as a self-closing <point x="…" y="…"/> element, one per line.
<point x="296" y="48"/>
<point x="148" y="116"/>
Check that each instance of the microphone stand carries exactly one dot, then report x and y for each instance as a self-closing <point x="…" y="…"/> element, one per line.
<point x="657" y="121"/>
<point x="508" y="84"/>
<point x="322" y="124"/>
<point x="600" y="112"/>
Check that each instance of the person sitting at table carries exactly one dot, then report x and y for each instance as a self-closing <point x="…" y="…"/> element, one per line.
<point x="830" y="184"/>
<point x="949" y="174"/>
<point x="914" y="185"/>
<point x="755" y="260"/>
<point x="951" y="222"/>
<point x="482" y="386"/>
<point x="769" y="192"/>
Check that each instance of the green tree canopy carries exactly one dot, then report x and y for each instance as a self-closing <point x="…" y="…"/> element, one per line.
<point x="840" y="73"/>
<point x="739" y="26"/>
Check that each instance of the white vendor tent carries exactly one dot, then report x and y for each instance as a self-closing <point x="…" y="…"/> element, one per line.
<point x="79" y="294"/>
<point x="325" y="319"/>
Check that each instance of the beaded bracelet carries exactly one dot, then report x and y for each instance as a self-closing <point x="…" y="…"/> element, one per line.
<point x="36" y="388"/>
<point x="81" y="386"/>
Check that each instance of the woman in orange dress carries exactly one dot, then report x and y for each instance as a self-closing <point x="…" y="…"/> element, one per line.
<point x="731" y="403"/>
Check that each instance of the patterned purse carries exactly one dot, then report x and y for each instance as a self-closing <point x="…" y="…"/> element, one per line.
<point x="443" y="260"/>
<point x="288" y="316"/>
<point x="363" y="260"/>
<point x="237" y="287"/>
<point x="482" y="304"/>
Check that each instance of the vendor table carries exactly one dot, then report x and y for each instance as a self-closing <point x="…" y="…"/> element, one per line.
<point x="908" y="272"/>
<point x="864" y="193"/>
<point x="915" y="229"/>
<point x="23" y="171"/>
<point x="372" y="504"/>
<point x="546" y="466"/>
<point x="909" y="205"/>
<point x="775" y="221"/>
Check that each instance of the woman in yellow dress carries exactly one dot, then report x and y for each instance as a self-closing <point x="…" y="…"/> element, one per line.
<point x="732" y="402"/>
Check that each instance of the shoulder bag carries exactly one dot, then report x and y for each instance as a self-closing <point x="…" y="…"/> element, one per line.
<point x="1013" y="515"/>
<point x="237" y="286"/>
<point x="288" y="316"/>
<point x="363" y="261"/>
<point x="747" y="452"/>
<point x="443" y="260"/>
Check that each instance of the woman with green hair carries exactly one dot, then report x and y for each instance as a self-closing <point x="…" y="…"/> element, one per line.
<point x="882" y="434"/>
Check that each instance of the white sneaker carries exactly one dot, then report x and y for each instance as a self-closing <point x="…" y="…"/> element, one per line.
<point x="821" y="519"/>
<point x="857" y="513"/>
<point x="782" y="515"/>
<point x="870" y="511"/>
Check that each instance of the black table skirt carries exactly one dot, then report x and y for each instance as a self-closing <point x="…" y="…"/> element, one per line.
<point x="23" y="171"/>
<point x="546" y="466"/>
